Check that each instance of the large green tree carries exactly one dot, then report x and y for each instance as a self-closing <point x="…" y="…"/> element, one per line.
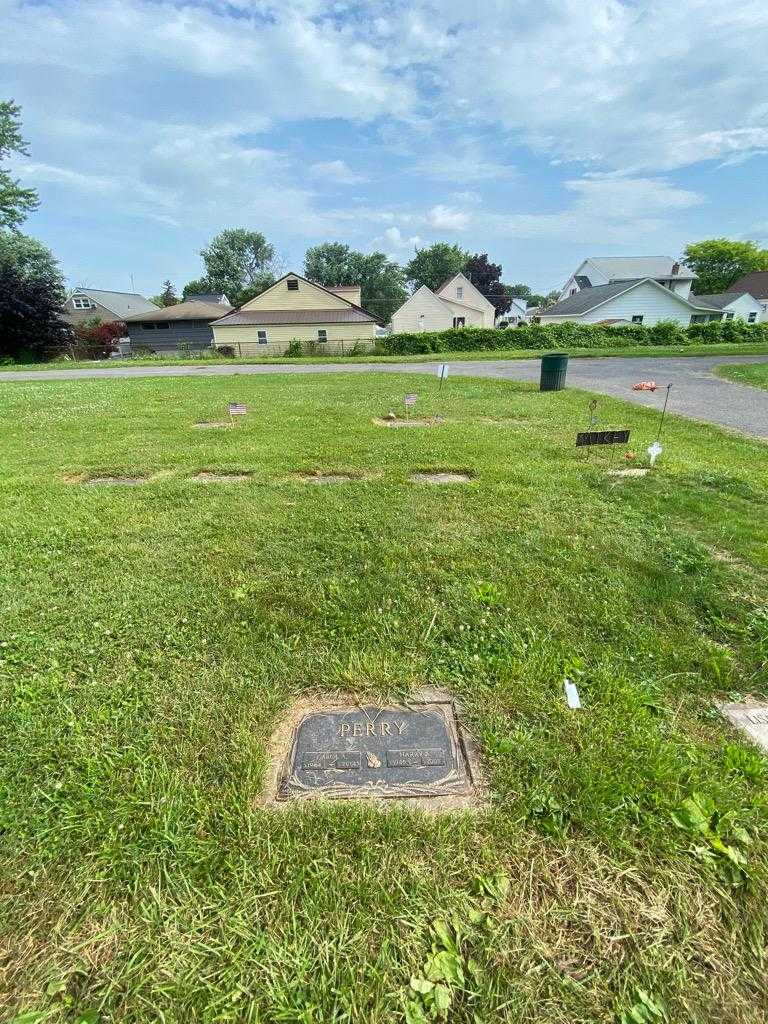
<point x="486" y="277"/>
<point x="15" y="202"/>
<point x="31" y="299"/>
<point x="167" y="296"/>
<point x="239" y="263"/>
<point x="435" y="264"/>
<point x="381" y="281"/>
<point x="718" y="262"/>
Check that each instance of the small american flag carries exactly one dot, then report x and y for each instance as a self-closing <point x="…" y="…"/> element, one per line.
<point x="237" y="409"/>
<point x="410" y="400"/>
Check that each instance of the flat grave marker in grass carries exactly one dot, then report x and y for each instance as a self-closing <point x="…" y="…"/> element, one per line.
<point x="413" y="750"/>
<point x="115" y="481"/>
<point x="751" y="719"/>
<point x="207" y="476"/>
<point x="441" y="477"/>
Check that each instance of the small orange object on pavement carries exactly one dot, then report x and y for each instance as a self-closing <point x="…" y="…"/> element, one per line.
<point x="645" y="385"/>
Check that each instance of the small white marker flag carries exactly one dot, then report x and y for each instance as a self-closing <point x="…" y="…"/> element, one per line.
<point x="237" y="409"/>
<point x="572" y="694"/>
<point x="410" y="400"/>
<point x="442" y="371"/>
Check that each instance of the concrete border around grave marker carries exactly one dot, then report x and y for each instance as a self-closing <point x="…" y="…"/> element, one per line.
<point x="755" y="729"/>
<point x="281" y="744"/>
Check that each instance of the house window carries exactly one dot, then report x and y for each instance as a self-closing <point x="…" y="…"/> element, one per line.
<point x="752" y="318"/>
<point x="637" y="319"/>
<point x="79" y="302"/>
<point x="459" y="293"/>
<point x="573" y="291"/>
<point x="147" y="327"/>
<point x="322" y="335"/>
<point x="421" y="321"/>
<point x="459" y="321"/>
<point x="729" y="316"/>
<point x="293" y="284"/>
<point x="697" y="318"/>
<point x="162" y="325"/>
<point x="262" y="337"/>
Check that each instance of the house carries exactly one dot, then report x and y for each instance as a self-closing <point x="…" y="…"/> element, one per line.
<point x="168" y="329"/>
<point x="732" y="305"/>
<point x="456" y="303"/>
<point x="109" y="307"/>
<point x="517" y="313"/>
<point x="599" y="270"/>
<point x="295" y="309"/>
<point x="643" y="301"/>
<point x="756" y="284"/>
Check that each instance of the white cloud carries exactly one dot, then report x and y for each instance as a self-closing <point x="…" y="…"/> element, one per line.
<point x="608" y="208"/>
<point x="446" y="218"/>
<point x="337" y="172"/>
<point x="395" y="237"/>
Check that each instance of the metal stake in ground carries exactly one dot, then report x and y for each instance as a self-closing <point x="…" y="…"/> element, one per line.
<point x="655" y="449"/>
<point x="442" y="373"/>
<point x="663" y="412"/>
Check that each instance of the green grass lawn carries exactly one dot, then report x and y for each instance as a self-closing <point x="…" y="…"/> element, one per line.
<point x="755" y="374"/>
<point x="646" y="351"/>
<point x="154" y="636"/>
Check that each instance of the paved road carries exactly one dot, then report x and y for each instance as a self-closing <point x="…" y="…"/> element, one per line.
<point x="696" y="393"/>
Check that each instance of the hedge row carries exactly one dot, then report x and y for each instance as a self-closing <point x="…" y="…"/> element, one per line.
<point x="571" y="335"/>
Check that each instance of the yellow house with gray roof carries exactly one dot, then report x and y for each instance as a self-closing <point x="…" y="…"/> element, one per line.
<point x="322" y="319"/>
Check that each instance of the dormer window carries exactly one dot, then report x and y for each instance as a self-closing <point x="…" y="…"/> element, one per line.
<point x="293" y="284"/>
<point x="459" y="292"/>
<point x="81" y="302"/>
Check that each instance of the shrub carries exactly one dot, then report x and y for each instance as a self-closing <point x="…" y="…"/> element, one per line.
<point x="93" y="339"/>
<point x="568" y="335"/>
<point x="294" y="348"/>
<point x="226" y="350"/>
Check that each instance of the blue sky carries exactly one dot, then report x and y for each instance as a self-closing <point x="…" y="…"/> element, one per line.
<point x="537" y="132"/>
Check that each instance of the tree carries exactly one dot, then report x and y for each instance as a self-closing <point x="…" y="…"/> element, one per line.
<point x="31" y="300"/>
<point x="718" y="262"/>
<point x="197" y="287"/>
<point x="381" y="281"/>
<point x="434" y="265"/>
<point x="238" y="259"/>
<point x="522" y="291"/>
<point x="167" y="296"/>
<point x="486" y="277"/>
<point x="15" y="202"/>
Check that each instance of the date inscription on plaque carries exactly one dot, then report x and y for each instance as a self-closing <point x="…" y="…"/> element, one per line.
<point x="410" y="750"/>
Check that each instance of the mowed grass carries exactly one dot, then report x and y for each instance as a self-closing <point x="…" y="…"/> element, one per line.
<point x="755" y="374"/>
<point x="153" y="637"/>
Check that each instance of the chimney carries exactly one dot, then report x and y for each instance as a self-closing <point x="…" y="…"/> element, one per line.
<point x="675" y="268"/>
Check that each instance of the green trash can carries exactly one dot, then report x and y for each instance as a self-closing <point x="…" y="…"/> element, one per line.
<point x="554" y="367"/>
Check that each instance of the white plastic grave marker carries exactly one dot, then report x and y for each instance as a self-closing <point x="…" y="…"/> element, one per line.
<point x="572" y="694"/>
<point x="237" y="409"/>
<point x="654" y="451"/>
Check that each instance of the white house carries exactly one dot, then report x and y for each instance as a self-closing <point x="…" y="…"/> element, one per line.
<point x="457" y="303"/>
<point x="599" y="270"/>
<point x="756" y="284"/>
<point x="732" y="305"/>
<point x="516" y="314"/>
<point x="643" y="301"/>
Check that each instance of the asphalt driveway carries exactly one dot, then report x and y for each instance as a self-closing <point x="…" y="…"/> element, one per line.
<point x="696" y="392"/>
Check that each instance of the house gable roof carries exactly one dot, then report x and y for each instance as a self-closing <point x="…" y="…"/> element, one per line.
<point x="474" y="291"/>
<point x="122" y="304"/>
<point x="590" y="298"/>
<point x="190" y="310"/>
<point x="423" y="294"/>
<point x="632" y="268"/>
<point x="257" y="301"/>
<point x="755" y="283"/>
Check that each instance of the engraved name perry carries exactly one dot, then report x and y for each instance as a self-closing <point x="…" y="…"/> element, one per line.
<point x="380" y="728"/>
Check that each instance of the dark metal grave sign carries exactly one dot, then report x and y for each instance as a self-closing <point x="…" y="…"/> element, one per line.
<point x="589" y="437"/>
<point x="410" y="750"/>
